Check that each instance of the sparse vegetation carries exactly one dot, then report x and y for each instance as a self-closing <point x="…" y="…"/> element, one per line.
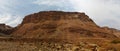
<point x="115" y="41"/>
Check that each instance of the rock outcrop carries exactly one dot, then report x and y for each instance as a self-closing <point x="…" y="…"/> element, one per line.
<point x="60" y="25"/>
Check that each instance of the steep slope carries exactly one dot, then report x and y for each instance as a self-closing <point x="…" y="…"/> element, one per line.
<point x="60" y="25"/>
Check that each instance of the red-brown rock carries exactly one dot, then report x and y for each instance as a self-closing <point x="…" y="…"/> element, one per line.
<point x="60" y="25"/>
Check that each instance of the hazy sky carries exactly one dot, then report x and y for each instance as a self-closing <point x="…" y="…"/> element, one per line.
<point x="103" y="12"/>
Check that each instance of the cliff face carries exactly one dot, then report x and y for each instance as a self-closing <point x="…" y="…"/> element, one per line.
<point x="55" y="16"/>
<point x="60" y="25"/>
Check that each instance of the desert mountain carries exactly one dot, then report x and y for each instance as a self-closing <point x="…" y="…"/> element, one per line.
<point x="61" y="25"/>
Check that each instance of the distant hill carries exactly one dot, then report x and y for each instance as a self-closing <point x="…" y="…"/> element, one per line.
<point x="5" y="29"/>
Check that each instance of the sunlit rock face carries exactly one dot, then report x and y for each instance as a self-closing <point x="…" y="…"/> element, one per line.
<point x="60" y="25"/>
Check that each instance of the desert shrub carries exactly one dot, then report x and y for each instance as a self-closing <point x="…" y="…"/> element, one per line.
<point x="115" y="41"/>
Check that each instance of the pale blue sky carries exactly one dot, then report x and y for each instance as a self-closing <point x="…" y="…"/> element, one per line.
<point x="103" y="12"/>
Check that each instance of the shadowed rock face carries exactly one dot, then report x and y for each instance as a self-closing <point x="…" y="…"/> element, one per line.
<point x="5" y="29"/>
<point x="60" y="25"/>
